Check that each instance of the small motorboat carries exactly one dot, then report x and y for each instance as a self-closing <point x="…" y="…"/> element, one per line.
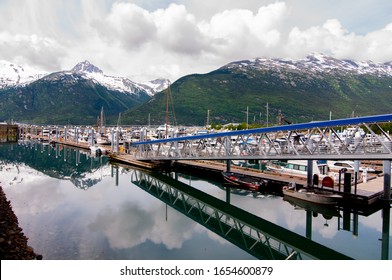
<point x="314" y="195"/>
<point x="245" y="182"/>
<point x="327" y="211"/>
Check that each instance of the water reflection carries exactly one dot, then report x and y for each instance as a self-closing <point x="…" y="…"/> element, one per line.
<point x="116" y="219"/>
<point x="257" y="236"/>
<point x="106" y="222"/>
<point x="59" y="162"/>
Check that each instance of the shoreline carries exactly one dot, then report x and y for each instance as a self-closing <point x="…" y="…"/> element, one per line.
<point x="13" y="242"/>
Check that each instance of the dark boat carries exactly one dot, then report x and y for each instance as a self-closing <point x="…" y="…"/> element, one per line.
<point x="245" y="182"/>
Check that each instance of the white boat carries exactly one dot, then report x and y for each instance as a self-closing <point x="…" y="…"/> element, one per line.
<point x="314" y="195"/>
<point x="336" y="166"/>
<point x="298" y="167"/>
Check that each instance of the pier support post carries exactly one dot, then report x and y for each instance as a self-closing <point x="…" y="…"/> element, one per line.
<point x="117" y="178"/>
<point x="387" y="179"/>
<point x="228" y="165"/>
<point x="309" y="215"/>
<point x="356" y="172"/>
<point x="77" y="154"/>
<point x="112" y="140"/>
<point x="310" y="173"/>
<point x="92" y="137"/>
<point x="347" y="182"/>
<point x="228" y="194"/>
<point x="386" y="218"/>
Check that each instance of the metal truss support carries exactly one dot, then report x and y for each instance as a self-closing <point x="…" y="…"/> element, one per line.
<point x="365" y="139"/>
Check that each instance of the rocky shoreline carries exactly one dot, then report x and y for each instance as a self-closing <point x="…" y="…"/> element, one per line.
<point x="13" y="242"/>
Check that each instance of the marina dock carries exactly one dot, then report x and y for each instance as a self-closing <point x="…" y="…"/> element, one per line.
<point x="210" y="154"/>
<point x="363" y="194"/>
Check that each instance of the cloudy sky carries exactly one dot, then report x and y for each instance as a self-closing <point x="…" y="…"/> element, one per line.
<point x="148" y="39"/>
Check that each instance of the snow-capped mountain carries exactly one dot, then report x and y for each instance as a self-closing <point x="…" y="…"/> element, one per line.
<point x="89" y="71"/>
<point x="314" y="64"/>
<point x="12" y="75"/>
<point x="82" y="91"/>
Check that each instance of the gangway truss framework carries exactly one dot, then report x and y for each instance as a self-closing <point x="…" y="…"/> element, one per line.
<point x="364" y="139"/>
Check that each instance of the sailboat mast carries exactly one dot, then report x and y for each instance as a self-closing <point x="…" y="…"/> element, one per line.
<point x="101" y="121"/>
<point x="167" y="111"/>
<point x="208" y="119"/>
<point x="119" y="120"/>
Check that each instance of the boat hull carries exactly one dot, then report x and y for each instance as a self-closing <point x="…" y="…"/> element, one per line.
<point x="328" y="211"/>
<point x="244" y="182"/>
<point x="314" y="196"/>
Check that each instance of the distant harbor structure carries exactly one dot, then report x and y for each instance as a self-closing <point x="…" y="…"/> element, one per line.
<point x="8" y="132"/>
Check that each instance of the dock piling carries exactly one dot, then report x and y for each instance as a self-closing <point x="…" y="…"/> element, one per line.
<point x="387" y="179"/>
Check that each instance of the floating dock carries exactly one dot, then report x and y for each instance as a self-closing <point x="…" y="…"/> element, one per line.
<point x="367" y="194"/>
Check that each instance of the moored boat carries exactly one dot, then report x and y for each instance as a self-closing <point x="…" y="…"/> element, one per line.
<point x="97" y="150"/>
<point x="314" y="195"/>
<point x="245" y="182"/>
<point x="328" y="211"/>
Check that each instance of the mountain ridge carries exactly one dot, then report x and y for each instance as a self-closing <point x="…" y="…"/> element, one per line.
<point x="12" y="75"/>
<point x="73" y="96"/>
<point x="303" y="90"/>
<point x="317" y="63"/>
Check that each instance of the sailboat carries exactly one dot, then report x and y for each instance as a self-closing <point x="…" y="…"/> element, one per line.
<point x="101" y="137"/>
<point x="166" y="130"/>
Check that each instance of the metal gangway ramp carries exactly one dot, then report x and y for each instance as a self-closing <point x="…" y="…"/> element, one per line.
<point x="257" y="236"/>
<point x="314" y="140"/>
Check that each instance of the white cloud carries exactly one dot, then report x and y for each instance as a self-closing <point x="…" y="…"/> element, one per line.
<point x="43" y="52"/>
<point x="134" y="39"/>
<point x="128" y="24"/>
<point x="241" y="33"/>
<point x="333" y="39"/>
<point x="129" y="226"/>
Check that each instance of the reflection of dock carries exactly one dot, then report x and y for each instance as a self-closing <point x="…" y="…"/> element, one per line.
<point x="257" y="236"/>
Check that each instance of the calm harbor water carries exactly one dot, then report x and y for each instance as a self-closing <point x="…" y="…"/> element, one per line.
<point x="74" y="206"/>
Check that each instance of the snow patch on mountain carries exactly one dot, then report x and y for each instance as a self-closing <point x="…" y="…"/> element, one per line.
<point x="89" y="71"/>
<point x="315" y="64"/>
<point x="86" y="67"/>
<point x="12" y="75"/>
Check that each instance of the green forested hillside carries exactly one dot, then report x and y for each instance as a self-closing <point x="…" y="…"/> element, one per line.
<point x="302" y="91"/>
<point x="66" y="100"/>
<point x="301" y="97"/>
